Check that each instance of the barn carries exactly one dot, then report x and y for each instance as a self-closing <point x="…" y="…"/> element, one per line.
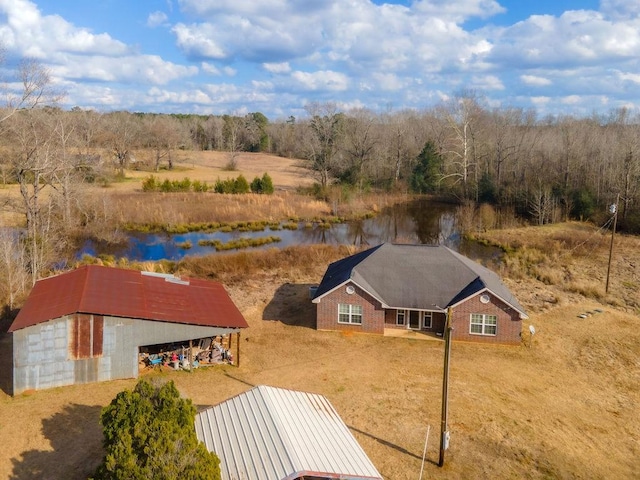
<point x="91" y="324"/>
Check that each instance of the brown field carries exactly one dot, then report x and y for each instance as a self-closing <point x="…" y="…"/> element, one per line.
<point x="566" y="407"/>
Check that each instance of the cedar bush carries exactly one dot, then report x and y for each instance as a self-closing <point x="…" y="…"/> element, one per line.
<point x="149" y="433"/>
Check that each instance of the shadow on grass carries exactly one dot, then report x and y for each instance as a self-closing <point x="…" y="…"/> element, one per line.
<point x="391" y="445"/>
<point x="6" y="363"/>
<point x="75" y="436"/>
<point x="6" y="350"/>
<point x="291" y="305"/>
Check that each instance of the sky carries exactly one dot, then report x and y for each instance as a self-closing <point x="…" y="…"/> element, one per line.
<point x="277" y="56"/>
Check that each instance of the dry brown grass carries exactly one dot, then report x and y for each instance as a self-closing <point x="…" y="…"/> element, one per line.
<point x="184" y="208"/>
<point x="572" y="258"/>
<point x="565" y="408"/>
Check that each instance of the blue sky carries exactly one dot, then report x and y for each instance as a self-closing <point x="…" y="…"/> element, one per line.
<point x="275" y="56"/>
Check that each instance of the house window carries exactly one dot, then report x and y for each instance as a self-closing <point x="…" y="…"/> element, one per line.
<point x="348" y="313"/>
<point x="400" y="317"/>
<point x="483" y="324"/>
<point x="426" y="319"/>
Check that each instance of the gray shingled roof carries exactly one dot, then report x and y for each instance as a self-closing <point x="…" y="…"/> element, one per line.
<point x="424" y="277"/>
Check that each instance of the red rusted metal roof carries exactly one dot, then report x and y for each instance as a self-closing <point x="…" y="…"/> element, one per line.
<point x="118" y="292"/>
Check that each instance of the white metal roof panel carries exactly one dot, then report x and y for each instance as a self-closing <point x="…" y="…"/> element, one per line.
<point x="270" y="433"/>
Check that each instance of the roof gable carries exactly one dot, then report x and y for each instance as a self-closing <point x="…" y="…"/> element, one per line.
<point x="99" y="290"/>
<point x="339" y="271"/>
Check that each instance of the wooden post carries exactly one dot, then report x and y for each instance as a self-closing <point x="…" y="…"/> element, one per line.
<point x="613" y="232"/>
<point x="444" y="432"/>
<point x="238" y="350"/>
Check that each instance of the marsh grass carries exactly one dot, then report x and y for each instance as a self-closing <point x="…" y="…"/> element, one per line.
<point x="195" y="208"/>
<point x="233" y="267"/>
<point x="240" y="243"/>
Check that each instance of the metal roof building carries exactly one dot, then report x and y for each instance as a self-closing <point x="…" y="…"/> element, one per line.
<point x="88" y="324"/>
<point x="270" y="433"/>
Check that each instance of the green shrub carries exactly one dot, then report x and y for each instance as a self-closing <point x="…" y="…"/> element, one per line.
<point x="150" y="184"/>
<point x="149" y="433"/>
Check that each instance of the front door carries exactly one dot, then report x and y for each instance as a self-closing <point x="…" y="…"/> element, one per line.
<point x="414" y="319"/>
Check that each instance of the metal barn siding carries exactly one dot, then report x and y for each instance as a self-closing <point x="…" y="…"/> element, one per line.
<point x="271" y="433"/>
<point x="46" y="355"/>
<point x="148" y="332"/>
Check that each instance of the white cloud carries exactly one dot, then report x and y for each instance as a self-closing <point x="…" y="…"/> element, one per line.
<point x="460" y="10"/>
<point x="43" y="37"/>
<point x="486" y="83"/>
<point x="535" y="81"/>
<point x="571" y="99"/>
<point x="156" y="19"/>
<point x="148" y="69"/>
<point x="229" y="71"/>
<point x="197" y="42"/>
<point x="540" y="101"/>
<point x="575" y="37"/>
<point x="321" y="80"/>
<point x="283" y="67"/>
<point x="620" y="9"/>
<point x="210" y="69"/>
<point x="216" y="72"/>
<point x="630" y="77"/>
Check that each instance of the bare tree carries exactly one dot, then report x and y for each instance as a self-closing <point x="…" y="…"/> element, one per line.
<point x="163" y="134"/>
<point x="460" y="114"/>
<point x="360" y="139"/>
<point x="541" y="204"/>
<point x="34" y="163"/>
<point x="324" y="132"/>
<point x="122" y="135"/>
<point x="32" y="89"/>
<point x="13" y="264"/>
<point x="233" y="126"/>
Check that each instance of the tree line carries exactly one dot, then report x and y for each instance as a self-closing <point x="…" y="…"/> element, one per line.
<point x="552" y="168"/>
<point x="547" y="169"/>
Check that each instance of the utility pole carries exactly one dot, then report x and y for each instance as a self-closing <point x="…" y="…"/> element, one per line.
<point x="613" y="209"/>
<point x="444" y="432"/>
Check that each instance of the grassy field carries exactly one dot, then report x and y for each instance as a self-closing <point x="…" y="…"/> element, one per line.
<point x="565" y="407"/>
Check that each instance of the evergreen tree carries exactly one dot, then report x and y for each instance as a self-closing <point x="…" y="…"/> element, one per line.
<point x="149" y="433"/>
<point x="425" y="175"/>
<point x="241" y="185"/>
<point x="267" y="184"/>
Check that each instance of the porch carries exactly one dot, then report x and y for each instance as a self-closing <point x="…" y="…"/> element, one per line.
<point x="415" y="334"/>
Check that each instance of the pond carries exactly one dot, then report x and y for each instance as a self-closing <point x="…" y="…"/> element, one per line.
<point x="419" y="222"/>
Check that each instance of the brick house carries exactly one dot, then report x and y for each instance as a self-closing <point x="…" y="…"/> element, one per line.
<point x="411" y="287"/>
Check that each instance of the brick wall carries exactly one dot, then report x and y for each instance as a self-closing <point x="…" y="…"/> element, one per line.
<point x="373" y="315"/>
<point x="509" y="326"/>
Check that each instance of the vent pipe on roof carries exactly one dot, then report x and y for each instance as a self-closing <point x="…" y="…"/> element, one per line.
<point x="167" y="277"/>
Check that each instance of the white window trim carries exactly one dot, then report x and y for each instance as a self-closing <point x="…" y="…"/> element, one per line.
<point x="484" y="324"/>
<point x="351" y="314"/>
<point x="404" y="317"/>
<point x="425" y="316"/>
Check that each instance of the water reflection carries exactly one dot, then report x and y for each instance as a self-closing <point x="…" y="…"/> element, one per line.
<point x="421" y="221"/>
